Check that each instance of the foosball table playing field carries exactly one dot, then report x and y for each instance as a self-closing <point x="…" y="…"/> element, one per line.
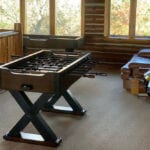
<point x="50" y="72"/>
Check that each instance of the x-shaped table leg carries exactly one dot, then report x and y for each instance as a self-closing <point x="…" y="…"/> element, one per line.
<point x="47" y="136"/>
<point x="75" y="108"/>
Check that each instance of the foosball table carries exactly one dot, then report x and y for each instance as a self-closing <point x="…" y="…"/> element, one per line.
<point x="50" y="72"/>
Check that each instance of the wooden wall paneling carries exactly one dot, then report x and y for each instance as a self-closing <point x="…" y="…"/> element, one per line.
<point x="92" y="47"/>
<point x="103" y="57"/>
<point x="95" y="1"/>
<point x="11" y="47"/>
<point x="11" y="44"/>
<point x="3" y="50"/>
<point x="94" y="9"/>
<point x="17" y="50"/>
<point x="97" y="31"/>
<point x="17" y="46"/>
<point x="94" y="18"/>
<point x="94" y="25"/>
<point x="93" y="39"/>
<point x="94" y="28"/>
<point x="120" y="49"/>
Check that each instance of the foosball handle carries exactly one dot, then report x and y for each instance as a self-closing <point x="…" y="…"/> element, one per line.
<point x="26" y="87"/>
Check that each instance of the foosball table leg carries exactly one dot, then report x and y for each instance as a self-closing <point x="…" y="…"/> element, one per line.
<point x="46" y="136"/>
<point x="75" y="108"/>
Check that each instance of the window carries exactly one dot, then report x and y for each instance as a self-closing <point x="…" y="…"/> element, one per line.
<point x="127" y="18"/>
<point x="143" y="18"/>
<point x="37" y="17"/>
<point x="119" y="17"/>
<point x="68" y="17"/>
<point x="53" y="17"/>
<point x="9" y="13"/>
<point x="60" y="17"/>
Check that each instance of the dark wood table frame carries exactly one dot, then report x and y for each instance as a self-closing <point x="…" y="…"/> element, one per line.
<point x="45" y="102"/>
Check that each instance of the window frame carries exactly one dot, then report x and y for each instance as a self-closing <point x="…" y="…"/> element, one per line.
<point x="51" y="16"/>
<point x="132" y="24"/>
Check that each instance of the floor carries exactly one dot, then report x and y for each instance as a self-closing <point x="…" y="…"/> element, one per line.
<point x="115" y="119"/>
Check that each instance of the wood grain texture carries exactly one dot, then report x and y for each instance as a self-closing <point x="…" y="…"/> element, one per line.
<point x="108" y="49"/>
<point x="11" y="43"/>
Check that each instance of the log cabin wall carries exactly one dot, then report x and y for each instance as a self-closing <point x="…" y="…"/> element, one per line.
<point x="10" y="44"/>
<point x="104" y="50"/>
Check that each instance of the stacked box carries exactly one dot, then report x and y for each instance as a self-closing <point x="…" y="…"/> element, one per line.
<point x="133" y="71"/>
